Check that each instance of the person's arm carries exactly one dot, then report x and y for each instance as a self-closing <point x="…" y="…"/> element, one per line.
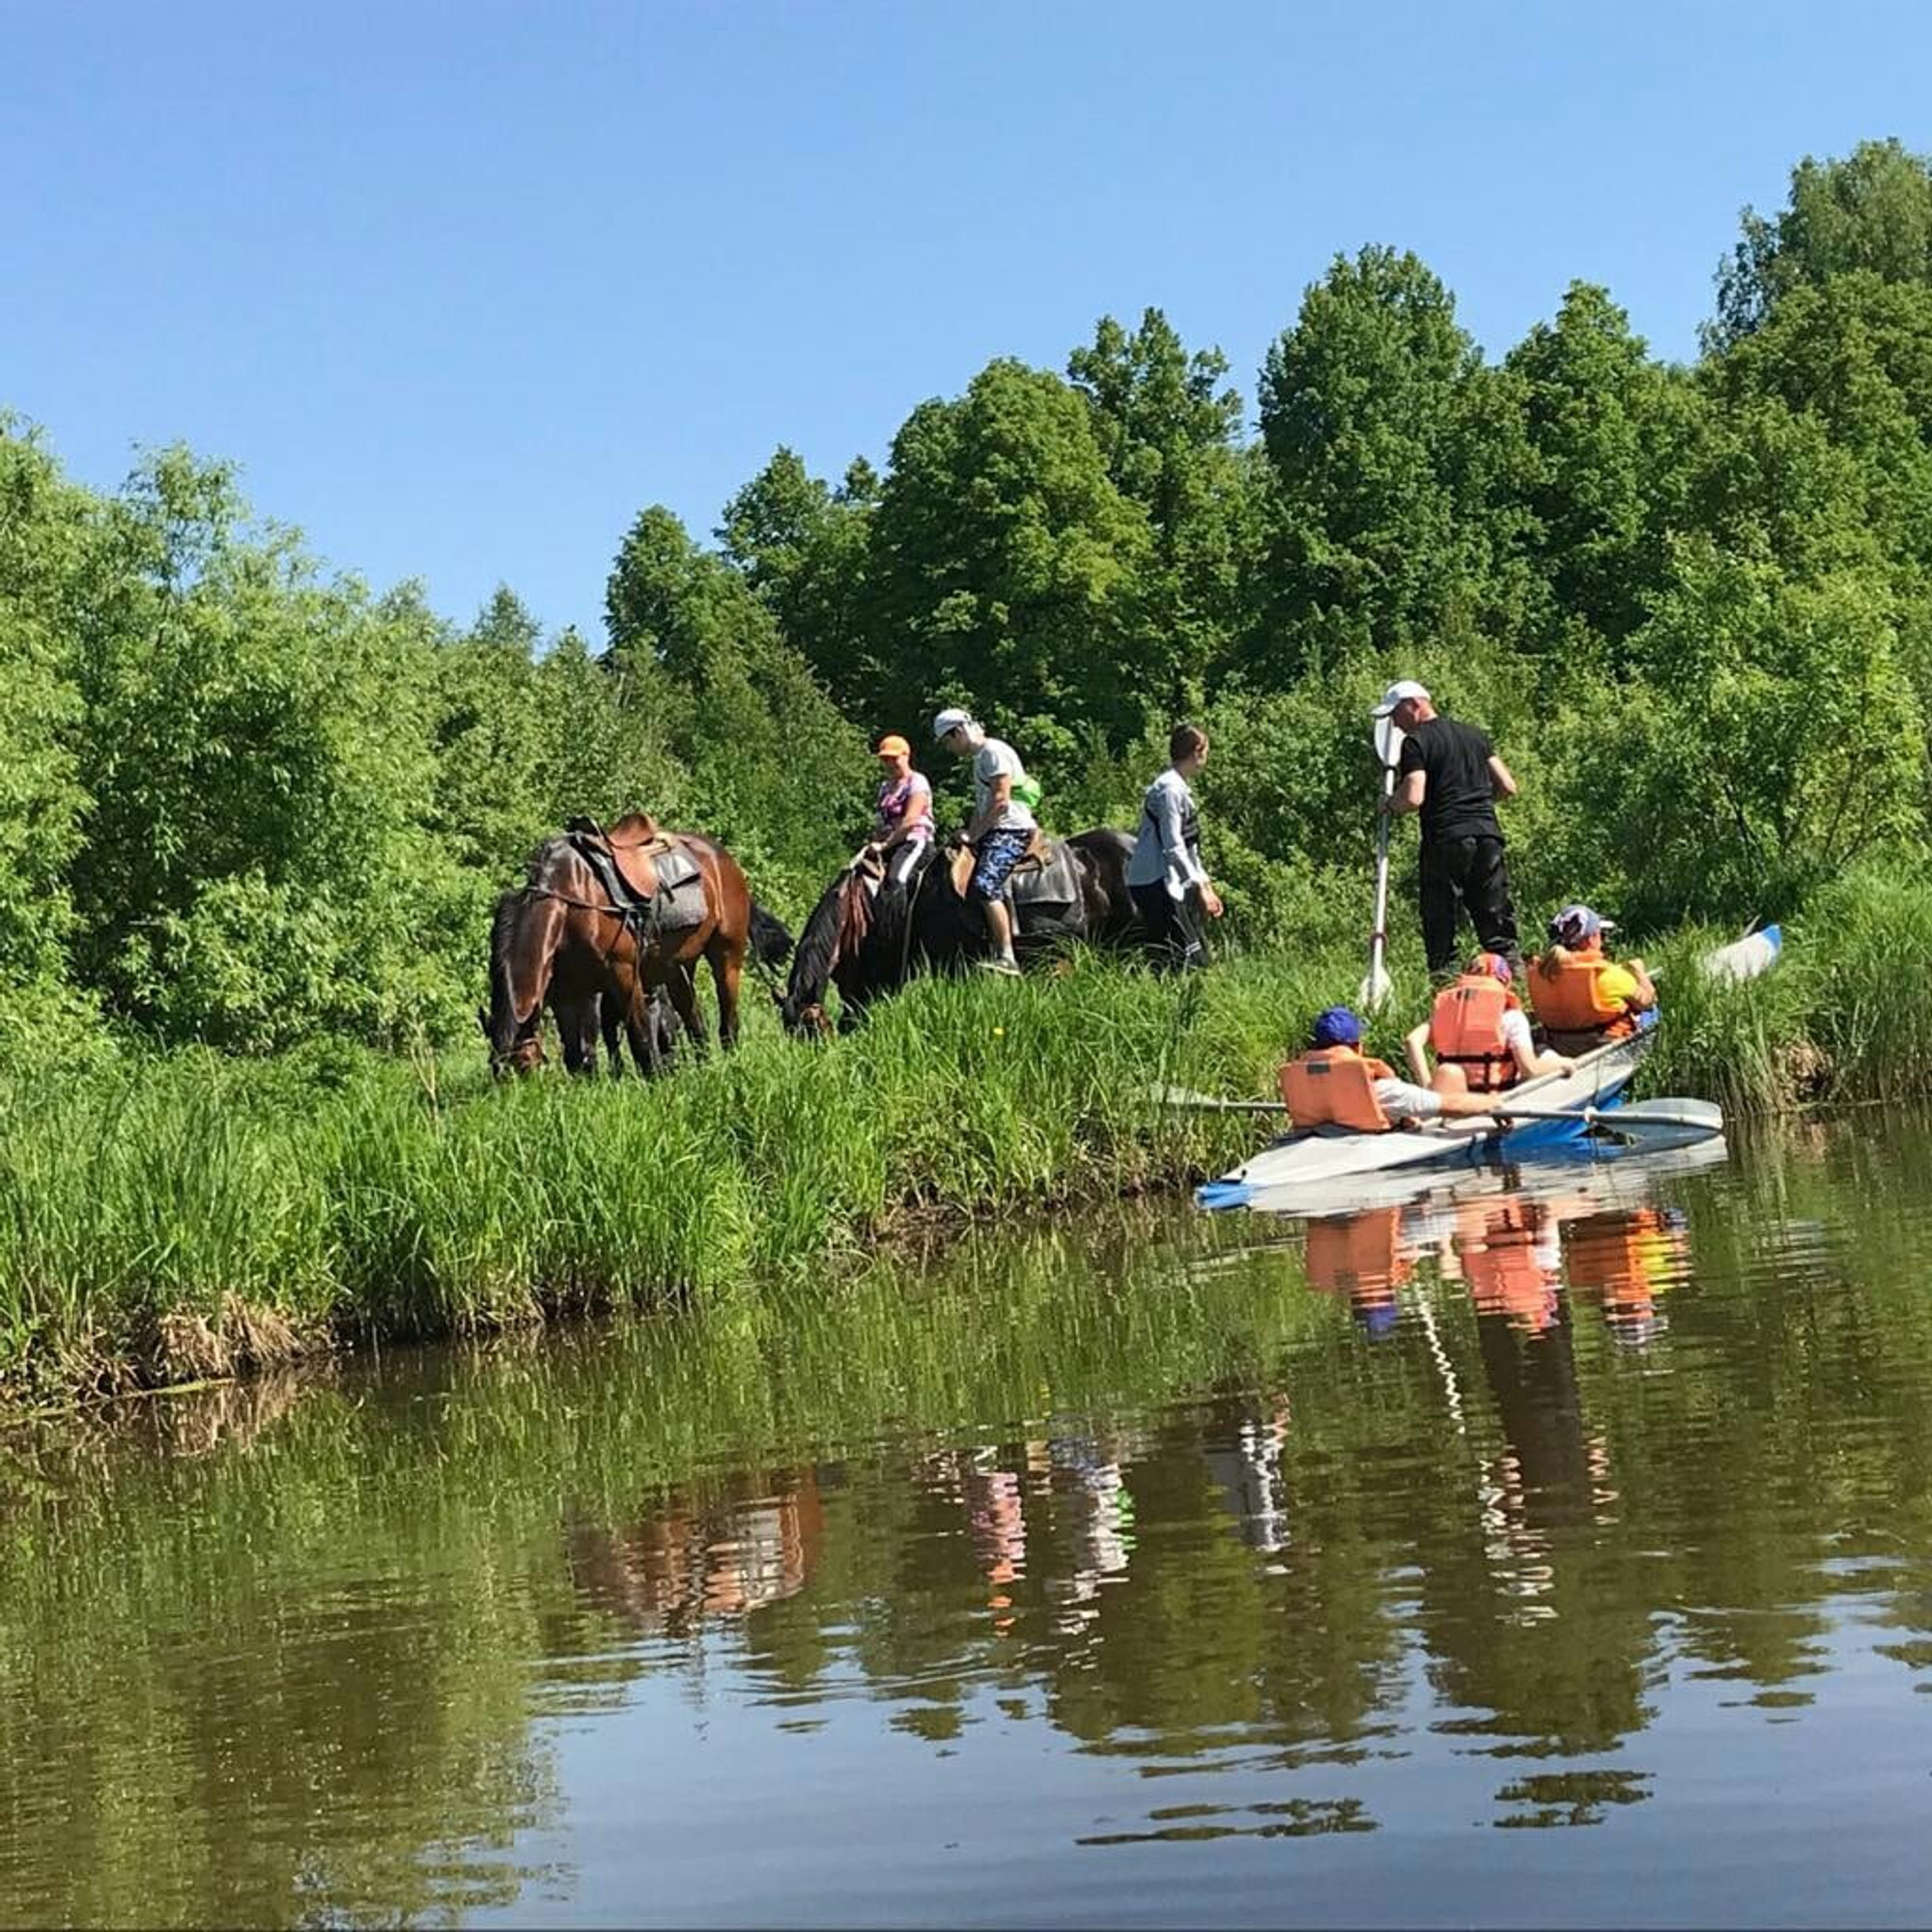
<point x="1501" y="778"/>
<point x="1176" y="851"/>
<point x="1522" y="1046"/>
<point x="1407" y="795"/>
<point x="1416" y="1039"/>
<point x="1646" y="988"/>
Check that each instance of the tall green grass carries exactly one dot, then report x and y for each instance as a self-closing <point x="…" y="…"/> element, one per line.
<point x="184" y="1215"/>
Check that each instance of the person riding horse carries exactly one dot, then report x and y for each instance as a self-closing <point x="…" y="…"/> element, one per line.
<point x="902" y="831"/>
<point x="1001" y="827"/>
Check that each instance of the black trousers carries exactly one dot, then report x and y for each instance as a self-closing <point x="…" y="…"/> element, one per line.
<point x="1470" y="873"/>
<point x="1176" y="940"/>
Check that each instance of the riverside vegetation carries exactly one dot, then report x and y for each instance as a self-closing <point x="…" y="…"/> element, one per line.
<point x="252" y="817"/>
<point x="166" y="1216"/>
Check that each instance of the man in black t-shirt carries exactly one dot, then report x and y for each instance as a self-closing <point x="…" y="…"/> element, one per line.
<point x="1449" y="773"/>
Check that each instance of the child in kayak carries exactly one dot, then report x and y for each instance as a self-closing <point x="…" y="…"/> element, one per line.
<point x="1480" y="1035"/>
<point x="1334" y="1085"/>
<point x="1583" y="998"/>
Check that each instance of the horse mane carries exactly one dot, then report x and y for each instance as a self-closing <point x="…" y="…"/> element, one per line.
<point x="836" y="930"/>
<point x="510" y="906"/>
<point x="816" y="951"/>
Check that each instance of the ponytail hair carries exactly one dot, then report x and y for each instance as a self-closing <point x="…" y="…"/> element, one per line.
<point x="1184" y="741"/>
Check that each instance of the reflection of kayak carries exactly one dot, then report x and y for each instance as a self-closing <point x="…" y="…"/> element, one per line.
<point x="1321" y="1161"/>
<point x="1319" y="1156"/>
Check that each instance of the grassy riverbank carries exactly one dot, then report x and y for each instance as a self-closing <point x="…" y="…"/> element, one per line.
<point x="165" y="1217"/>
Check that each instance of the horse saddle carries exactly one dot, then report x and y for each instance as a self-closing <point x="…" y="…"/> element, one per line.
<point x="1045" y="875"/>
<point x="647" y="873"/>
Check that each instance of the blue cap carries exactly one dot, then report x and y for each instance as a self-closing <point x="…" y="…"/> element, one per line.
<point x="1337" y="1027"/>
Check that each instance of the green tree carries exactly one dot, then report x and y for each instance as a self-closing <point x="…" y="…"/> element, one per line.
<point x="1611" y="435"/>
<point x="1853" y="356"/>
<point x="1167" y="428"/>
<point x="1009" y="573"/>
<point x="773" y="769"/>
<point x="1871" y="211"/>
<point x="801" y="546"/>
<point x="1401" y="465"/>
<point x="47" y="530"/>
<point x="1772" y="746"/>
<point x="258" y="745"/>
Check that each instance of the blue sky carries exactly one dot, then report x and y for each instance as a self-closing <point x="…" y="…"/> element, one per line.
<point x="462" y="288"/>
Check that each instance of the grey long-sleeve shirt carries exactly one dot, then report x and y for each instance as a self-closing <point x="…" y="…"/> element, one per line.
<point x="1163" y="852"/>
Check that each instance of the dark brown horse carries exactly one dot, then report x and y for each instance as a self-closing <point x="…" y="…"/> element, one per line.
<point x="867" y="946"/>
<point x="561" y="938"/>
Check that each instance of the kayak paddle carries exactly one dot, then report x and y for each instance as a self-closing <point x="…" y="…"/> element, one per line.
<point x="1376" y="986"/>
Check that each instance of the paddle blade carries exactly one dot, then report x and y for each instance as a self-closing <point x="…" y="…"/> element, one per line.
<point x="1376" y="989"/>
<point x="1699" y="1116"/>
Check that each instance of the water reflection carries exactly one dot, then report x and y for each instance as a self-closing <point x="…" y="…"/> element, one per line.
<point x="1060" y="1587"/>
<point x="698" y="1552"/>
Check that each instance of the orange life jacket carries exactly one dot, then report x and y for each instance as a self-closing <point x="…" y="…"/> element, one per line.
<point x="1335" y="1087"/>
<point x="1568" y="1001"/>
<point x="1466" y="1030"/>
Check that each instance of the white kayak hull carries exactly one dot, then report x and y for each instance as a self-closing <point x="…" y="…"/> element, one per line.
<point x="1323" y="1155"/>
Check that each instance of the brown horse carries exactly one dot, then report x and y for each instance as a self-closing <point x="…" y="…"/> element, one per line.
<point x="561" y="938"/>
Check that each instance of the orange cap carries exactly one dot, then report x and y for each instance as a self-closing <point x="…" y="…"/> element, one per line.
<point x="893" y="746"/>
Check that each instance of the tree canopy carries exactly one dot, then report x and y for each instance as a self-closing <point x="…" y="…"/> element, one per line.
<point x="244" y="801"/>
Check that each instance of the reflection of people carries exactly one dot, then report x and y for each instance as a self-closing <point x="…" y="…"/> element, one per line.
<point x="1524" y="1336"/>
<point x="696" y="1557"/>
<point x="996" y="1518"/>
<point x="1629" y="1258"/>
<point x="1099" y="1508"/>
<point x="1508" y="1270"/>
<point x="1583" y="998"/>
<point x="1170" y="885"/>
<point x="1362" y="1257"/>
<point x="1244" y="1454"/>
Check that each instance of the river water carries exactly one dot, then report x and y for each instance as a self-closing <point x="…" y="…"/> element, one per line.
<point x="1553" y="1552"/>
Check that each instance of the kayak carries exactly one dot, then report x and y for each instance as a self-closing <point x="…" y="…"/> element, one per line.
<point x="1314" y="1161"/>
<point x="1595" y="1162"/>
<point x="1318" y="1156"/>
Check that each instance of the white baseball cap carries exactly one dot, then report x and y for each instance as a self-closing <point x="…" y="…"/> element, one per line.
<point x="1397" y="694"/>
<point x="950" y="720"/>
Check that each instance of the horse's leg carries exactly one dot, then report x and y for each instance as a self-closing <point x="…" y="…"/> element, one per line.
<point x="575" y="1030"/>
<point x="728" y="964"/>
<point x="682" y="987"/>
<point x="611" y="1014"/>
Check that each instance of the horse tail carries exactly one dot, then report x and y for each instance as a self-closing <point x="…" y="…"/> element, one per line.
<point x="769" y="937"/>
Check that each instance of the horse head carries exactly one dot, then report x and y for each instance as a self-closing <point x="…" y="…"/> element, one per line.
<point x="523" y="1054"/>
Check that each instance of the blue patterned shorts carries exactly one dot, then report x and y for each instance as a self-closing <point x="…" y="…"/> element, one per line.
<point x="999" y="853"/>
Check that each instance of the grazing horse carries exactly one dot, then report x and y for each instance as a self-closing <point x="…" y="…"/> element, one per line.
<point x="850" y="941"/>
<point x="581" y="1023"/>
<point x="867" y="947"/>
<point x="561" y="937"/>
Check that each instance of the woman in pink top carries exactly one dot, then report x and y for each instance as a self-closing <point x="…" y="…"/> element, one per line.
<point x="903" y="833"/>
